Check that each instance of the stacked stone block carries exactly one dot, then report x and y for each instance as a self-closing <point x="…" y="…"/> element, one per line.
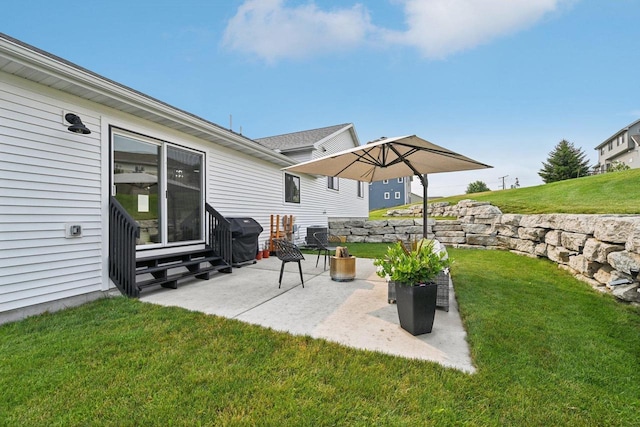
<point x="598" y="249"/>
<point x="380" y="231"/>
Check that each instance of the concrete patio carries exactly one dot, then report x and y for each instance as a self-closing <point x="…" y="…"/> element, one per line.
<point x="355" y="313"/>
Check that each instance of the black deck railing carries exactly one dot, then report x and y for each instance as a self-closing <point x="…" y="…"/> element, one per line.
<point x="123" y="234"/>
<point x="218" y="233"/>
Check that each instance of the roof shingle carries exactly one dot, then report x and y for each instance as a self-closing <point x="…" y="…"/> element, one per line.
<point x="299" y="140"/>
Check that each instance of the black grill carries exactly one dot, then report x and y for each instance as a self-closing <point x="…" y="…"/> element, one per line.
<point x="244" y="240"/>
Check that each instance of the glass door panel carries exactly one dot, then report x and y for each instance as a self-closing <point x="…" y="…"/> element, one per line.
<point x="184" y="195"/>
<point x="136" y="169"/>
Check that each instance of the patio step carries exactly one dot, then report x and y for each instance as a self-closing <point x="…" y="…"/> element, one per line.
<point x="167" y="269"/>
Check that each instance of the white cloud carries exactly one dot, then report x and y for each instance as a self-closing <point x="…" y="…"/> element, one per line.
<point x="439" y="28"/>
<point x="272" y="30"/>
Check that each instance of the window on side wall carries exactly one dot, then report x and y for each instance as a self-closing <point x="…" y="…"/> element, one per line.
<point x="385" y="181"/>
<point x="387" y="196"/>
<point x="397" y="195"/>
<point x="332" y="182"/>
<point x="400" y="180"/>
<point x="291" y="188"/>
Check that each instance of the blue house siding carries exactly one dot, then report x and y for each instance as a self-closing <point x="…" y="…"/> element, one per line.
<point x="385" y="194"/>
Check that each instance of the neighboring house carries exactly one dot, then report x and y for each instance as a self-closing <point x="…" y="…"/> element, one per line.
<point x="307" y="145"/>
<point x="623" y="146"/>
<point x="389" y="193"/>
<point x="63" y="195"/>
<point x="415" y="198"/>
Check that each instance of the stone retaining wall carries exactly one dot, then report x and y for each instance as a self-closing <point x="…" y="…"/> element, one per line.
<point x="602" y="250"/>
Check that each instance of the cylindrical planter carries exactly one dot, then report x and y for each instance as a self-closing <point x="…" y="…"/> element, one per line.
<point x="342" y="269"/>
<point x="416" y="307"/>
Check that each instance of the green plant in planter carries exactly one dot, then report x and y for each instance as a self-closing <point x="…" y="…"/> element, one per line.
<point x="413" y="267"/>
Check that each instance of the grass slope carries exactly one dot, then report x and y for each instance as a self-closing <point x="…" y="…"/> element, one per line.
<point x="609" y="193"/>
<point x="549" y="351"/>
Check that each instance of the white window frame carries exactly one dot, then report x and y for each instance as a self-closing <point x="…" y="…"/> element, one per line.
<point x="387" y="195"/>
<point x="397" y="195"/>
<point x="294" y="179"/>
<point x="162" y="183"/>
<point x="333" y="183"/>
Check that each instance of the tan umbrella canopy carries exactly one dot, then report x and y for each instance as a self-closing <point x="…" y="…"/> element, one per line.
<point x="389" y="158"/>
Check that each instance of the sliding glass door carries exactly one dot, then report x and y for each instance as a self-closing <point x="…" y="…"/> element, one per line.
<point x="184" y="195"/>
<point x="161" y="187"/>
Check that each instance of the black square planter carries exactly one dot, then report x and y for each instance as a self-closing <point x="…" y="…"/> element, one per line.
<point x="416" y="307"/>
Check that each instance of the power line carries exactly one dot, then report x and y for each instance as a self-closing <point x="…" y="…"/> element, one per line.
<point x="502" y="178"/>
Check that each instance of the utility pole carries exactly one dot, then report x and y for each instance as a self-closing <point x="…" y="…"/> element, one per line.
<point x="502" y="178"/>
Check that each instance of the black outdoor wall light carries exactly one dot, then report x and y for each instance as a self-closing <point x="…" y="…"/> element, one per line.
<point x="76" y="124"/>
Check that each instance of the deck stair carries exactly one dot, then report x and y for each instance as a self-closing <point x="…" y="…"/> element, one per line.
<point x="131" y="271"/>
<point x="166" y="270"/>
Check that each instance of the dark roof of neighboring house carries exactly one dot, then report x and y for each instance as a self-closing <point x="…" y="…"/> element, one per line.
<point x="299" y="140"/>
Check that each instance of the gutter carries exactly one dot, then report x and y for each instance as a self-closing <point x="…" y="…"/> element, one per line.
<point x="48" y="64"/>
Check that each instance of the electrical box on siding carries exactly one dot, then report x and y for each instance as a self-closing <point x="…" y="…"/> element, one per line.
<point x="73" y="231"/>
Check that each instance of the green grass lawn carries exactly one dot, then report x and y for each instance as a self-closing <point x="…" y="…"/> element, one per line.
<point x="549" y="350"/>
<point x="598" y="194"/>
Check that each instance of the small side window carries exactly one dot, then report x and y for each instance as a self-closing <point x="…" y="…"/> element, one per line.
<point x="291" y="188"/>
<point x="332" y="182"/>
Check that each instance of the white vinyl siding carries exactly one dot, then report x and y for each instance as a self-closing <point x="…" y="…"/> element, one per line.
<point x="239" y="185"/>
<point x="333" y="144"/>
<point x="49" y="177"/>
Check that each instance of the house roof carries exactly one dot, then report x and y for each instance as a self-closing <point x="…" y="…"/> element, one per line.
<point x="624" y="129"/>
<point x="306" y="139"/>
<point x="33" y="64"/>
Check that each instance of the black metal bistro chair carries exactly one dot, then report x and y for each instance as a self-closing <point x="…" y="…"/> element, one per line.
<point x="288" y="252"/>
<point x="326" y="244"/>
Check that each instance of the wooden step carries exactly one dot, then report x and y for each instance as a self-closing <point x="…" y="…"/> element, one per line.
<point x="171" y="280"/>
<point x="214" y="260"/>
<point x="155" y="260"/>
<point x="163" y="267"/>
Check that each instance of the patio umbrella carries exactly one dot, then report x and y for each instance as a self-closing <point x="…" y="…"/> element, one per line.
<point x="389" y="158"/>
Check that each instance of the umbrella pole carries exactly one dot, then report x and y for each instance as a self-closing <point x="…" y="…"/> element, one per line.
<point x="425" y="185"/>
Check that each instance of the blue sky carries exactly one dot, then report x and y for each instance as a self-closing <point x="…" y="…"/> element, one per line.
<point x="500" y="81"/>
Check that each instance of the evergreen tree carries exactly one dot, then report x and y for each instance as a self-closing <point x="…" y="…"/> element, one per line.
<point x="564" y="162"/>
<point x="477" y="187"/>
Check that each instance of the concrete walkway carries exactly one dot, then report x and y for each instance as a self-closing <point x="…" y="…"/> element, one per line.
<point x="355" y="313"/>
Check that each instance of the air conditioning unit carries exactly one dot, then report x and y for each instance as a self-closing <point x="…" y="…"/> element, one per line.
<point x="310" y="240"/>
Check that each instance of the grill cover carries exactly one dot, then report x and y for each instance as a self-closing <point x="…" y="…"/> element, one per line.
<point x="244" y="239"/>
